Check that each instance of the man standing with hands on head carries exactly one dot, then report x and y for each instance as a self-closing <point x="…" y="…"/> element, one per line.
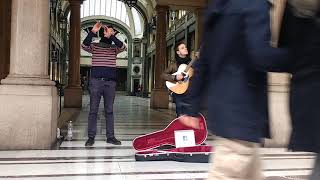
<point x="103" y="79"/>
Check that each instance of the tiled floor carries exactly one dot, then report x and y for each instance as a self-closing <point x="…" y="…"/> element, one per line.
<point x="133" y="117"/>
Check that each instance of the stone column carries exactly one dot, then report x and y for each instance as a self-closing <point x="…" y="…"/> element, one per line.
<point x="28" y="98"/>
<point x="73" y="92"/>
<point x="159" y="95"/>
<point x="280" y="123"/>
<point x="5" y="19"/>
<point x="186" y="34"/>
<point x="199" y="27"/>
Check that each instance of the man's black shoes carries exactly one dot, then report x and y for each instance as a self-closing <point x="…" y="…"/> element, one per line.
<point x="90" y="142"/>
<point x="114" y="141"/>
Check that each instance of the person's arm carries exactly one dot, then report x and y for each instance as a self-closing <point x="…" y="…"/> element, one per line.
<point x="257" y="33"/>
<point x="116" y="41"/>
<point x="167" y="73"/>
<point x="192" y="101"/>
<point x="86" y="44"/>
<point x="120" y="45"/>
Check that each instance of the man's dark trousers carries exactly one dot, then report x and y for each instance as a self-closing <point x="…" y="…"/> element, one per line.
<point x="179" y="98"/>
<point x="107" y="89"/>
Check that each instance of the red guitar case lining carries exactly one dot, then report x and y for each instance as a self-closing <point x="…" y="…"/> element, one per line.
<point x="166" y="136"/>
<point x="146" y="145"/>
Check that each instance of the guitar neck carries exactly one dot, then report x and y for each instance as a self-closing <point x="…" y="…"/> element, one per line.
<point x="189" y="65"/>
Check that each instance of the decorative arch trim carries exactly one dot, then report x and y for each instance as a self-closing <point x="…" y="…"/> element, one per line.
<point x="91" y="20"/>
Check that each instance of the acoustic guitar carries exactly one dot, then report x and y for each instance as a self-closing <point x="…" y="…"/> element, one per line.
<point x="181" y="87"/>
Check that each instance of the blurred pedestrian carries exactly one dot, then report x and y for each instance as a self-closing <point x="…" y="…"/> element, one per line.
<point x="233" y="65"/>
<point x="301" y="35"/>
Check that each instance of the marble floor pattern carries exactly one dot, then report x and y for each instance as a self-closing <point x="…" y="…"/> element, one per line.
<point x="133" y="117"/>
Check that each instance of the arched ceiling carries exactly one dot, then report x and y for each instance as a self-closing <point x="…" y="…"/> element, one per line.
<point x="145" y="7"/>
<point x="90" y="21"/>
<point x="118" y="10"/>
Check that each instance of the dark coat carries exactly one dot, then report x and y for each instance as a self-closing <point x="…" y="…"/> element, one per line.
<point x="173" y="67"/>
<point x="302" y="36"/>
<point x="167" y="74"/>
<point x="232" y="66"/>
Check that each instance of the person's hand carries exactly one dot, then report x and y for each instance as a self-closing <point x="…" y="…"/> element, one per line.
<point x="96" y="27"/>
<point x="197" y="55"/>
<point x="179" y="77"/>
<point x="112" y="31"/>
<point x="190" y="121"/>
<point x="108" y="32"/>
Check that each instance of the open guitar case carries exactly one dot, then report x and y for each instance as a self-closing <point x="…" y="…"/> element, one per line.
<point x="160" y="145"/>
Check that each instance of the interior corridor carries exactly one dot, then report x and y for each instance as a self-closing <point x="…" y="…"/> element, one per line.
<point x="133" y="117"/>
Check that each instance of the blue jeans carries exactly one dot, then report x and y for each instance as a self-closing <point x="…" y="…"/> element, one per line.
<point x="107" y="89"/>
